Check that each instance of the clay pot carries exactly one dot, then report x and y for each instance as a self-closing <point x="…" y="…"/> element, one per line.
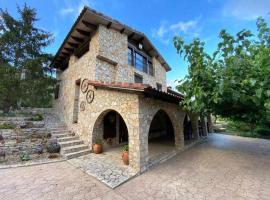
<point x="125" y="158"/>
<point x="97" y="148"/>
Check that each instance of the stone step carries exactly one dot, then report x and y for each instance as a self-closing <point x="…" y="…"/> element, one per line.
<point x="58" y="129"/>
<point x="74" y="148"/>
<point x="62" y="135"/>
<point x="70" y="143"/>
<point x="68" y="138"/>
<point x="59" y="132"/>
<point x="77" y="154"/>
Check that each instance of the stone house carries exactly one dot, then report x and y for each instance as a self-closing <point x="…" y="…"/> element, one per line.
<point x="112" y="86"/>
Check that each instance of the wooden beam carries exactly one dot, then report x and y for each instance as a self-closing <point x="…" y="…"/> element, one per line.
<point x="68" y="49"/>
<point x="80" y="40"/>
<point x="131" y="35"/>
<point x="109" y="25"/>
<point x="141" y="39"/>
<point x="65" y="54"/>
<point x="74" y="45"/>
<point x="149" y="50"/>
<point x="89" y="25"/>
<point x="82" y="32"/>
<point x="122" y="30"/>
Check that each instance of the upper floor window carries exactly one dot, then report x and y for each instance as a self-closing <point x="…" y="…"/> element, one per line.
<point x="159" y="86"/>
<point x="130" y="56"/>
<point x="138" y="78"/>
<point x="140" y="61"/>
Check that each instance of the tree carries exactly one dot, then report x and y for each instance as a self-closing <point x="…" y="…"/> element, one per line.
<point x="21" y="48"/>
<point x="244" y="87"/>
<point x="235" y="81"/>
<point x="9" y="84"/>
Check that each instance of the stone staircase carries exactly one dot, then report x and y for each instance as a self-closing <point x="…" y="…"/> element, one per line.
<point x="71" y="145"/>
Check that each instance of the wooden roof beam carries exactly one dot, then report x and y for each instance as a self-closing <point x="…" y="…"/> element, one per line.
<point x="83" y="32"/>
<point x="109" y="25"/>
<point x="131" y="35"/>
<point x="122" y="30"/>
<point x="69" y="49"/>
<point x="65" y="54"/>
<point x="141" y="39"/>
<point x="80" y="40"/>
<point x="74" y="45"/>
<point x="89" y="25"/>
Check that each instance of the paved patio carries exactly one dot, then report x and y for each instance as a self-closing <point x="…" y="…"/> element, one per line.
<point x="224" y="167"/>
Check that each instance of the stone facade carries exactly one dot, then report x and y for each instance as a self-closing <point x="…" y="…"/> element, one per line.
<point x="107" y="60"/>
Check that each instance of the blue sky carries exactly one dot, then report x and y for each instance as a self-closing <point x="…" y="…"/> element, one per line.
<point x="160" y="20"/>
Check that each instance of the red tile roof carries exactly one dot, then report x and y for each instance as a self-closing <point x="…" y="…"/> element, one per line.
<point x="149" y="91"/>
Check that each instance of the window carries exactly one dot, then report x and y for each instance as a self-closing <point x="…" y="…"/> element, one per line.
<point x="138" y="78"/>
<point x="159" y="86"/>
<point x="140" y="61"/>
<point x="150" y="68"/>
<point x="130" y="57"/>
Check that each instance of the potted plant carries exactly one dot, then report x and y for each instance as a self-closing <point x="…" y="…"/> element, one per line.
<point x="125" y="157"/>
<point x="97" y="146"/>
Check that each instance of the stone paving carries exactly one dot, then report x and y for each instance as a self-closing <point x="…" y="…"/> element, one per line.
<point x="222" y="168"/>
<point x="105" y="167"/>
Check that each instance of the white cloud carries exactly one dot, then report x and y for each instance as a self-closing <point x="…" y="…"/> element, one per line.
<point x="66" y="11"/>
<point x="74" y="8"/>
<point x="246" y="9"/>
<point x="184" y="26"/>
<point x="166" y="31"/>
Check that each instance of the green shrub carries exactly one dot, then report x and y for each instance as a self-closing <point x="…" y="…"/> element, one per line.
<point x="98" y="141"/>
<point x="24" y="156"/>
<point x="263" y="131"/>
<point x="125" y="148"/>
<point x="7" y="126"/>
<point x="37" y="117"/>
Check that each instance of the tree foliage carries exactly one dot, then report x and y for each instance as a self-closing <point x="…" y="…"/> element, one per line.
<point x="235" y="81"/>
<point x="22" y="57"/>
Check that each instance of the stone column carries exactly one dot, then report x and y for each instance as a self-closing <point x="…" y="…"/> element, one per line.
<point x="179" y="137"/>
<point x="194" y="123"/>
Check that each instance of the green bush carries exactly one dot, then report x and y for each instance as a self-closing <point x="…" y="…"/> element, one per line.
<point x="37" y="117"/>
<point x="125" y="148"/>
<point x="24" y="156"/>
<point x="263" y="131"/>
<point x="7" y="126"/>
<point x="98" y="141"/>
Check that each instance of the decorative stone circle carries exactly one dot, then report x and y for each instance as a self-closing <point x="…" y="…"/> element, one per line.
<point x="90" y="96"/>
<point x="82" y="106"/>
<point x="84" y="85"/>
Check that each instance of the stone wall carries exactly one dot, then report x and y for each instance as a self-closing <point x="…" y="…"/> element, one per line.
<point x="114" y="46"/>
<point x="107" y="61"/>
<point x="147" y="110"/>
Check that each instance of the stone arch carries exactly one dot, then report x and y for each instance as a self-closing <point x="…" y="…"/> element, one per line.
<point x="170" y="118"/>
<point x="99" y="129"/>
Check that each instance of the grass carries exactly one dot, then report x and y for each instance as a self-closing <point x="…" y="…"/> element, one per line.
<point x="242" y="129"/>
<point x="7" y="126"/>
<point x="37" y="117"/>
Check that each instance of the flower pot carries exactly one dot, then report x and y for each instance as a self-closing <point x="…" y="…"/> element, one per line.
<point x="125" y="158"/>
<point x="97" y="148"/>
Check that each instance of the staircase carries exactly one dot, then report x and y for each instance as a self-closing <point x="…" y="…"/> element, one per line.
<point x="71" y="145"/>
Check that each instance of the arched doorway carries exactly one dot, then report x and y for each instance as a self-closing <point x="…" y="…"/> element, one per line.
<point x="111" y="128"/>
<point x="188" y="136"/>
<point x="161" y="138"/>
